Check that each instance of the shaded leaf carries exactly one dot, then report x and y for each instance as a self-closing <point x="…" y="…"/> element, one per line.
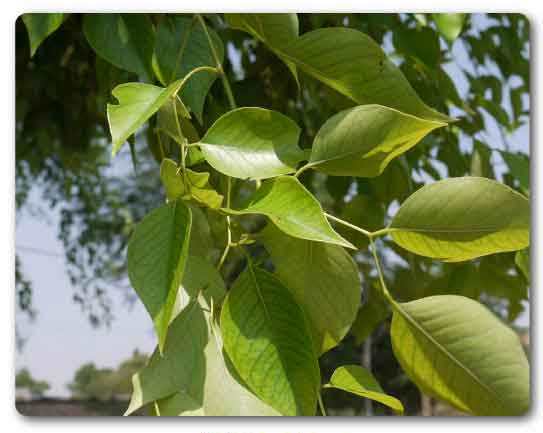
<point x="181" y="46"/>
<point x="293" y="210"/>
<point x="373" y="312"/>
<point x="157" y="253"/>
<point x="252" y="143"/>
<point x="324" y="280"/>
<point x="519" y="167"/>
<point x="359" y="381"/>
<point x="522" y="260"/>
<point x="275" y="30"/>
<point x="453" y="348"/>
<point x="462" y="218"/>
<point x="125" y="40"/>
<point x="268" y="340"/>
<point x="361" y="141"/>
<point x="39" y="26"/>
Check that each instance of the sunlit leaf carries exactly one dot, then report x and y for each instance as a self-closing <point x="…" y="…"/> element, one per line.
<point x="353" y="64"/>
<point x="449" y="25"/>
<point x="324" y="280"/>
<point x="293" y="210"/>
<point x="359" y="381"/>
<point x="453" y="348"/>
<point x="157" y="253"/>
<point x="252" y="143"/>
<point x="361" y="141"/>
<point x="137" y="103"/>
<point x="462" y="218"/>
<point x="188" y="184"/>
<point x="268" y="340"/>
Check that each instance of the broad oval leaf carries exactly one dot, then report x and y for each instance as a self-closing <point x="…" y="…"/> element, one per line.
<point x="293" y="209"/>
<point x="462" y="218"/>
<point x="361" y="141"/>
<point x="188" y="184"/>
<point x="268" y="340"/>
<point x="324" y="280"/>
<point x="350" y="62"/>
<point x="137" y="103"/>
<point x="39" y="27"/>
<point x="181" y="46"/>
<point x="274" y="30"/>
<point x="522" y="260"/>
<point x="359" y="381"/>
<point x="157" y="253"/>
<point x="252" y="143"/>
<point x="449" y="25"/>
<point x="455" y="349"/>
<point x="125" y="40"/>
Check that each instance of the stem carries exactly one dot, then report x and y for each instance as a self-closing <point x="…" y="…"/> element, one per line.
<point x="301" y="170"/>
<point x="218" y="64"/>
<point x="321" y="404"/>
<point x="195" y="71"/>
<point x="345" y="223"/>
<point x="385" y="292"/>
<point x="228" y="228"/>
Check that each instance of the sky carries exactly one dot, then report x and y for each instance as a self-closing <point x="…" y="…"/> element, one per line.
<point x="61" y="338"/>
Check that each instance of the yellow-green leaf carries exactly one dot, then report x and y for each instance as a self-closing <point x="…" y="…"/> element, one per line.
<point x="462" y="218"/>
<point x="455" y="349"/>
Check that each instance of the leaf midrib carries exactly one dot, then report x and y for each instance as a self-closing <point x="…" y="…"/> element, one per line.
<point x="440" y="347"/>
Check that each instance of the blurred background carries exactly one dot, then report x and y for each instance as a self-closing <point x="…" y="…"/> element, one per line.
<point x="81" y="332"/>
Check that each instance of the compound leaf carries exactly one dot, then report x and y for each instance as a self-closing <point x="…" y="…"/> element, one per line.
<point x="293" y="210"/>
<point x="359" y="381"/>
<point x="252" y="143"/>
<point x="267" y="338"/>
<point x="361" y="141"/>
<point x="157" y="254"/>
<point x="453" y="348"/>
<point x="324" y="280"/>
<point x="462" y="218"/>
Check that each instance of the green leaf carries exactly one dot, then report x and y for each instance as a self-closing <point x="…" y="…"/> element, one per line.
<point x="222" y="394"/>
<point x="293" y="210"/>
<point x="125" y="40"/>
<point x="39" y="26"/>
<point x="455" y="349"/>
<point x="462" y="218"/>
<point x="274" y="30"/>
<point x="359" y="381"/>
<point x="137" y="103"/>
<point x="324" y="280"/>
<point x="268" y="340"/>
<point x="162" y="376"/>
<point x="481" y="165"/>
<point x="188" y="184"/>
<point x="361" y="141"/>
<point x="181" y="46"/>
<point x="169" y="119"/>
<point x="519" y="167"/>
<point x="522" y="260"/>
<point x="350" y="62"/>
<point x="157" y="253"/>
<point x="449" y="25"/>
<point x="252" y="143"/>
